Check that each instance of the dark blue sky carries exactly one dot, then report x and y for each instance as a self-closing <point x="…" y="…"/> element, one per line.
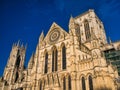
<point x="24" y="20"/>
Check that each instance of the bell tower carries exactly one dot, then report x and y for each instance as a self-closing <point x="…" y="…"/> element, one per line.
<point x="15" y="64"/>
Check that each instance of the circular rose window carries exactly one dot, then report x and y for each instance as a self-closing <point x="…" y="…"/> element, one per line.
<point x="54" y="35"/>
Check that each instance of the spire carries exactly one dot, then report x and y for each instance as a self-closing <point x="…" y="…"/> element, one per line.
<point x="110" y="41"/>
<point x="31" y="62"/>
<point x="18" y="43"/>
<point x="22" y="45"/>
<point x="41" y="37"/>
<point x="71" y="19"/>
<point x="71" y="23"/>
<point x="26" y="46"/>
<point x="13" y="45"/>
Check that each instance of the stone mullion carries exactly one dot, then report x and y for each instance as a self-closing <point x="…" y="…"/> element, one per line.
<point x="59" y="59"/>
<point x="67" y="88"/>
<point x="87" y="83"/>
<point x="49" y="62"/>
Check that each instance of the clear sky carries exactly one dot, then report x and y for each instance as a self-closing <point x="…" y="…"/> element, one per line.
<point x="24" y="20"/>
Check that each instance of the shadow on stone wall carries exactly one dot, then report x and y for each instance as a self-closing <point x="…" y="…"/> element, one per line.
<point x="103" y="88"/>
<point x="118" y="88"/>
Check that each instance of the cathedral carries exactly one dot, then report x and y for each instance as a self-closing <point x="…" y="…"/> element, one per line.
<point x="73" y="60"/>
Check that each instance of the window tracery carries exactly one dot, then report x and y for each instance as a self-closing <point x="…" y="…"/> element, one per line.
<point x="46" y="63"/>
<point x="54" y="59"/>
<point x="87" y="29"/>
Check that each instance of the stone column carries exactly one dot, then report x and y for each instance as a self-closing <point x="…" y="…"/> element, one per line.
<point x="87" y="83"/>
<point x="59" y="59"/>
<point x="67" y="83"/>
<point x="73" y="81"/>
<point x="78" y="82"/>
<point x="49" y="62"/>
<point x="80" y="85"/>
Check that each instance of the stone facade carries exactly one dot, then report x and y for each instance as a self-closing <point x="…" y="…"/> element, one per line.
<point x="63" y="60"/>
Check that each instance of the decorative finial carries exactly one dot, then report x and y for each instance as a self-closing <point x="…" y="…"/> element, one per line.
<point x="22" y="45"/>
<point x="26" y="46"/>
<point x="110" y="41"/>
<point x="41" y="36"/>
<point x="18" y="43"/>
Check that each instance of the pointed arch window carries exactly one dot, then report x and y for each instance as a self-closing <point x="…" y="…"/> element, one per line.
<point x="16" y="78"/>
<point x="83" y="84"/>
<point x="64" y="57"/>
<point x="56" y="57"/>
<point x="18" y="61"/>
<point x="69" y="83"/>
<point x="87" y="29"/>
<point x="40" y="85"/>
<point x="46" y="63"/>
<point x="90" y="83"/>
<point x="54" y="60"/>
<point x="64" y="83"/>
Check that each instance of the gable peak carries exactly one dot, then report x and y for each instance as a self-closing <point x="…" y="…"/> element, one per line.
<point x="54" y="25"/>
<point x="71" y="19"/>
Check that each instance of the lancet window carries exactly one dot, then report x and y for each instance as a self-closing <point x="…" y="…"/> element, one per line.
<point x="87" y="29"/>
<point x="64" y="57"/>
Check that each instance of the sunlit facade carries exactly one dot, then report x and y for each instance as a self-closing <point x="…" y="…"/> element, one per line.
<point x="73" y="60"/>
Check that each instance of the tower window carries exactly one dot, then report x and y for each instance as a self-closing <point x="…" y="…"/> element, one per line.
<point x="87" y="29"/>
<point x="18" y="61"/>
<point x="90" y="83"/>
<point x="83" y="84"/>
<point x="64" y="57"/>
<point x="46" y="63"/>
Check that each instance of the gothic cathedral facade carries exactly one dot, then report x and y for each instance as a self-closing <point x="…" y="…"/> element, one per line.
<point x="72" y="60"/>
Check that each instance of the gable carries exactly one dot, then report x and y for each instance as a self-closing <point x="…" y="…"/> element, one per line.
<point x="55" y="33"/>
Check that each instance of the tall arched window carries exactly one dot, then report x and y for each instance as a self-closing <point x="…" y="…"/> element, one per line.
<point x="40" y="85"/>
<point x="83" y="84"/>
<point x="16" y="78"/>
<point x="18" y="61"/>
<point x="56" y="55"/>
<point x="90" y="83"/>
<point x="64" y="83"/>
<point x="77" y="29"/>
<point x="54" y="59"/>
<point x="64" y="57"/>
<point x="46" y="63"/>
<point x="87" y="29"/>
<point x="69" y="83"/>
